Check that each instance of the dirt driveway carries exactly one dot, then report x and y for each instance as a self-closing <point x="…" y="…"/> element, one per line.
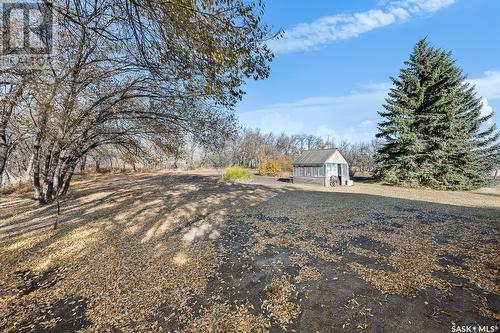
<point x="177" y="252"/>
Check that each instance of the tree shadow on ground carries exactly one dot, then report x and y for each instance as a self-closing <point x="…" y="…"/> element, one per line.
<point x="154" y="220"/>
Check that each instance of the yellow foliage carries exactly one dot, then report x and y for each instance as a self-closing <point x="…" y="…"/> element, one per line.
<point x="285" y="164"/>
<point x="237" y="173"/>
<point x="275" y="167"/>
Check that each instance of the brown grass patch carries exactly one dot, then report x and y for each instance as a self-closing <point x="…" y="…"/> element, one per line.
<point x="308" y="273"/>
<point x="280" y="301"/>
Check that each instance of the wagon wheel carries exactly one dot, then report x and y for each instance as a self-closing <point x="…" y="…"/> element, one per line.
<point x="334" y="181"/>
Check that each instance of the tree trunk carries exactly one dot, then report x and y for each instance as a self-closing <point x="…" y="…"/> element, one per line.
<point x="3" y="161"/>
<point x="36" y="159"/>
<point x="36" y="171"/>
<point x="53" y="165"/>
<point x="6" y="114"/>
<point x="27" y="175"/>
<point x="4" y="150"/>
<point x="67" y="182"/>
<point x="83" y="162"/>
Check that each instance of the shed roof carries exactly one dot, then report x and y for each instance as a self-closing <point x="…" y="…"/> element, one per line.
<point x="318" y="157"/>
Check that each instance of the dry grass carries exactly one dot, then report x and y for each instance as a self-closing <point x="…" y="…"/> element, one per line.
<point x="140" y="252"/>
<point x="19" y="189"/>
<point x="280" y="302"/>
<point x="126" y="244"/>
<point x="482" y="198"/>
<point x="308" y="273"/>
<point x="221" y="318"/>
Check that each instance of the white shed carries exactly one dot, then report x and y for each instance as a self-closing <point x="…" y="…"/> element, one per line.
<point x="326" y="167"/>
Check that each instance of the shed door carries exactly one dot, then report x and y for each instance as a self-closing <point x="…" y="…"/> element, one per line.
<point x="343" y="172"/>
<point x="331" y="170"/>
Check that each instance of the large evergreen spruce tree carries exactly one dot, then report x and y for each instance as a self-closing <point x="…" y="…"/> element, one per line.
<point x="435" y="134"/>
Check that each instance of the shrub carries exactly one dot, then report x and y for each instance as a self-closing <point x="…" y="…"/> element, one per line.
<point x="237" y="173"/>
<point x="275" y="168"/>
<point x="269" y="168"/>
<point x="285" y="164"/>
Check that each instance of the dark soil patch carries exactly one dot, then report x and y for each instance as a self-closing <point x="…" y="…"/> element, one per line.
<point x="368" y="262"/>
<point x="493" y="301"/>
<point x="68" y="314"/>
<point x="429" y="217"/>
<point x="447" y="259"/>
<point x="346" y="226"/>
<point x="452" y="279"/>
<point x="31" y="281"/>
<point x="444" y="238"/>
<point x="372" y="245"/>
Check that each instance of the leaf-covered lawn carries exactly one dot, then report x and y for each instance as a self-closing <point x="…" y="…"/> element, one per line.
<point x="176" y="252"/>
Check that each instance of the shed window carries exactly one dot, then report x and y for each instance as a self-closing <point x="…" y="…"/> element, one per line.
<point x="309" y="171"/>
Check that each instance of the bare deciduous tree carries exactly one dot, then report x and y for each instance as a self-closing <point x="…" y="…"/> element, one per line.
<point x="134" y="76"/>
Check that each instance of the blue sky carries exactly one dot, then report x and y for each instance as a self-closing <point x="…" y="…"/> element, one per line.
<point x="331" y="71"/>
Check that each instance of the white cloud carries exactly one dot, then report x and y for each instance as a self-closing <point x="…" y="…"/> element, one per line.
<point x="486" y="111"/>
<point x="488" y="86"/>
<point x="325" y="30"/>
<point x="348" y="117"/>
<point x="376" y="85"/>
<point x="272" y="121"/>
<point x="325" y="131"/>
<point x="350" y="134"/>
<point x="337" y="116"/>
<point x="366" y="123"/>
<point x="420" y="7"/>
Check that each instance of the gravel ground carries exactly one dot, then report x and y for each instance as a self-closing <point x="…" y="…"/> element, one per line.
<point x="186" y="252"/>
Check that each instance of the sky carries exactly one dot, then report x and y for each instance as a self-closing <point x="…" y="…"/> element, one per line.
<point x="331" y="71"/>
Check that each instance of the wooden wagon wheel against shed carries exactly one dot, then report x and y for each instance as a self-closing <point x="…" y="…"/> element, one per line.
<point x="334" y="181"/>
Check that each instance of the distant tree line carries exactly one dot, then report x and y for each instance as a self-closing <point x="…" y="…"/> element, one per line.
<point x="245" y="147"/>
<point x="250" y="147"/>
